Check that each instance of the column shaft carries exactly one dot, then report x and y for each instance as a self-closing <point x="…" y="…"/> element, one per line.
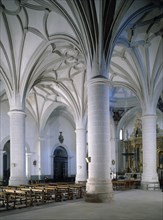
<point x="17" y="148"/>
<point x="39" y="159"/>
<point x="149" y="176"/>
<point x="28" y="166"/>
<point x="81" y="169"/>
<point x="99" y="186"/>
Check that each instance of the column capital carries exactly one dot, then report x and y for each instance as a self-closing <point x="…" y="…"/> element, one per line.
<point x="16" y="111"/>
<point x="28" y="154"/>
<point x="41" y="138"/>
<point x="80" y="129"/>
<point x="99" y="79"/>
<point x="149" y="116"/>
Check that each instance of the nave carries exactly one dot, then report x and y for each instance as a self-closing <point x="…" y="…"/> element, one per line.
<point x="133" y="204"/>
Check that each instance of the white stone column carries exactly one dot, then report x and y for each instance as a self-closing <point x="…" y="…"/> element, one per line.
<point x="1" y="165"/>
<point x="17" y="148"/>
<point x="28" y="166"/>
<point x="39" y="162"/>
<point x="149" y="176"/>
<point x="81" y="168"/>
<point x="99" y="186"/>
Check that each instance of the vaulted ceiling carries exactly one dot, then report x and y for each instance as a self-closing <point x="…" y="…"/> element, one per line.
<point x="46" y="46"/>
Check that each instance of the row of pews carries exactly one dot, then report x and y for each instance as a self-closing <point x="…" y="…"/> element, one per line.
<point x="126" y="184"/>
<point x="12" y="197"/>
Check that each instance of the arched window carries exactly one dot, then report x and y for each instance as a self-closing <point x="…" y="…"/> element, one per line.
<point x="121" y="134"/>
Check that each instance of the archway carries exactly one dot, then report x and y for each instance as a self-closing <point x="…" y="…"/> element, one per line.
<point x="60" y="164"/>
<point x="6" y="163"/>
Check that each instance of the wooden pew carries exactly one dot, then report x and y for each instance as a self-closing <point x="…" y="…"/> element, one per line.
<point x="78" y="191"/>
<point x="36" y="194"/>
<point x="15" y="198"/>
<point x="3" y="200"/>
<point x="119" y="184"/>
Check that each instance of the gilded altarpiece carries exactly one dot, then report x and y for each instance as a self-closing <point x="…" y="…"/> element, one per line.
<point x="160" y="152"/>
<point x="133" y="151"/>
<point x="134" y="154"/>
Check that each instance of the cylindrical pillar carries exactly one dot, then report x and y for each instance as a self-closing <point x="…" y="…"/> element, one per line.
<point x="99" y="186"/>
<point x="149" y="176"/>
<point x="28" y="166"/>
<point x="17" y="148"/>
<point x="39" y="158"/>
<point x="81" y="169"/>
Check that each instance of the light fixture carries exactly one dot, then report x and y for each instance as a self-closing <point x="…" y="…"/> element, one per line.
<point x="14" y="164"/>
<point x="88" y="159"/>
<point x="34" y="163"/>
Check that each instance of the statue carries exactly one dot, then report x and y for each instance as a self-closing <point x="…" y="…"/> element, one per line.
<point x="60" y="138"/>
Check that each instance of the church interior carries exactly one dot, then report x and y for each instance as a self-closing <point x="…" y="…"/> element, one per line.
<point x="81" y="96"/>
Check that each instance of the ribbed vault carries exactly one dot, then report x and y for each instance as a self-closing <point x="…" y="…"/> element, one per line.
<point x="46" y="46"/>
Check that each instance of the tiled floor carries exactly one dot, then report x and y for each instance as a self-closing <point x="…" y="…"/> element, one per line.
<point x="127" y="205"/>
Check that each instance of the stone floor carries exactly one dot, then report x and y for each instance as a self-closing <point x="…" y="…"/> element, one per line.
<point x="127" y="205"/>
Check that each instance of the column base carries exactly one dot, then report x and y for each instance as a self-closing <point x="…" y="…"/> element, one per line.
<point x="80" y="179"/>
<point x="81" y="182"/>
<point x="99" y="197"/>
<point x="150" y="186"/>
<point x="16" y="181"/>
<point x="100" y="191"/>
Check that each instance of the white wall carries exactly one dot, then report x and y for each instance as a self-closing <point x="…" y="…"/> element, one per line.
<point x="31" y="137"/>
<point x="53" y="126"/>
<point x="4" y="123"/>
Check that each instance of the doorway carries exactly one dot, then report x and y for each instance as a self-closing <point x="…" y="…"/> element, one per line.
<point x="60" y="164"/>
<point x="6" y="163"/>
